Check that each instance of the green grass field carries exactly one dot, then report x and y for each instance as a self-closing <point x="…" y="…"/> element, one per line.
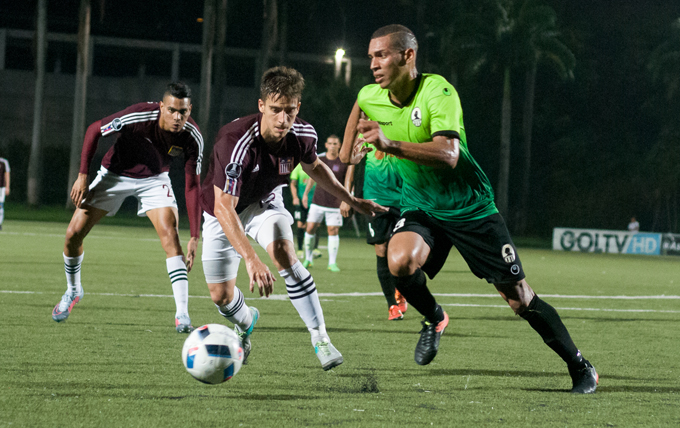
<point x="116" y="361"/>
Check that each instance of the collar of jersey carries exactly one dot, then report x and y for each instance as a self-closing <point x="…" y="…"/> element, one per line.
<point x="412" y="95"/>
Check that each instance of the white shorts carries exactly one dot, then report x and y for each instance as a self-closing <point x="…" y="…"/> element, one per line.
<point x="265" y="222"/>
<point x="108" y="191"/>
<point x="317" y="213"/>
<point x="2" y="195"/>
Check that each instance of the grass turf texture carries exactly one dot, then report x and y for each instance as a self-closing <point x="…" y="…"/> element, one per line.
<point x="116" y="360"/>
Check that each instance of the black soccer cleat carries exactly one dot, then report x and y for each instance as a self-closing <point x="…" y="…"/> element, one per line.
<point x="584" y="378"/>
<point x="428" y="344"/>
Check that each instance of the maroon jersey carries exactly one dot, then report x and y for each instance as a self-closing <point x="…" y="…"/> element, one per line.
<point x="242" y="165"/>
<point x="143" y="149"/>
<point x="4" y="167"/>
<point x="321" y="196"/>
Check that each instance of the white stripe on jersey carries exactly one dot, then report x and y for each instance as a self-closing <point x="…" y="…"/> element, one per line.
<point x="301" y="130"/>
<point x="129" y="119"/>
<point x="244" y="143"/>
<point x="199" y="140"/>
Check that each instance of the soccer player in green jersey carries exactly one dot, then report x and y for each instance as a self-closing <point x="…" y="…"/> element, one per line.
<point x="446" y="198"/>
<point x="382" y="185"/>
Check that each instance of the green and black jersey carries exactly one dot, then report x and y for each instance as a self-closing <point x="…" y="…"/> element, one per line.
<point x="459" y="194"/>
<point x="382" y="183"/>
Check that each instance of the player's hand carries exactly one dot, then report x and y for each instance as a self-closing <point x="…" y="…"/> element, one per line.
<point x="364" y="206"/>
<point x="296" y="201"/>
<point x="259" y="274"/>
<point x="79" y="190"/>
<point x="305" y="201"/>
<point x="373" y="134"/>
<point x="192" y="246"/>
<point x="345" y="209"/>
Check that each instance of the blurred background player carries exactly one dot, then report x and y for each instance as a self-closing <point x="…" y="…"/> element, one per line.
<point x="4" y="187"/>
<point x="634" y="225"/>
<point x="446" y="199"/>
<point x="149" y="135"/>
<point x="382" y="185"/>
<point x="298" y="184"/>
<point x="241" y="196"/>
<point x="326" y="207"/>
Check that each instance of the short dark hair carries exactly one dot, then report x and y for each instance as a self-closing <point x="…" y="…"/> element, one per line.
<point x="401" y="37"/>
<point x="333" y="136"/>
<point x="282" y="82"/>
<point x="177" y="90"/>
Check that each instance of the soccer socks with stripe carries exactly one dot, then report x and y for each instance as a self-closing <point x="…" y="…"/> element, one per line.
<point x="72" y="269"/>
<point x="304" y="297"/>
<point x="237" y="311"/>
<point x="544" y="319"/>
<point x="333" y="246"/>
<point x="414" y="289"/>
<point x="387" y="280"/>
<point x="309" y="239"/>
<point x="177" y="271"/>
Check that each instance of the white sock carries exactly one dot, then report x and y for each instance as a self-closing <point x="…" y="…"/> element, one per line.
<point x="319" y="334"/>
<point x="309" y="246"/>
<point x="72" y="269"/>
<point x="237" y="311"/>
<point x="2" y="210"/>
<point x="304" y="297"/>
<point x="333" y="245"/>
<point x="177" y="271"/>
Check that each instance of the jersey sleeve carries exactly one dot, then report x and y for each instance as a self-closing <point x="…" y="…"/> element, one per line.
<point x="193" y="157"/>
<point x="308" y="140"/>
<point x="135" y="113"/>
<point x="228" y="170"/>
<point x="446" y="113"/>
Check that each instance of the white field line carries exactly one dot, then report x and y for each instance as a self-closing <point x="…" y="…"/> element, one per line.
<point x="283" y="297"/>
<point x="89" y="236"/>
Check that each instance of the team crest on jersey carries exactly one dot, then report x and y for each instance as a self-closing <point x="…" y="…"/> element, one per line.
<point x="233" y="170"/>
<point x="285" y="166"/>
<point x="117" y="124"/>
<point x="508" y="253"/>
<point x="175" y="151"/>
<point x="417" y="116"/>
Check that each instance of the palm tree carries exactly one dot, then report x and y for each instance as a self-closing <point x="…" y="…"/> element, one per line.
<point x="501" y="35"/>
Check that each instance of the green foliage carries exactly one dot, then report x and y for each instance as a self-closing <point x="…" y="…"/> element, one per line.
<point x="116" y="361"/>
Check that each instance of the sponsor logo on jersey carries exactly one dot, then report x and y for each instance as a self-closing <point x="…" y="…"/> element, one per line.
<point x="508" y="253"/>
<point x="384" y="123"/>
<point x="417" y="117"/>
<point x="285" y="166"/>
<point x="117" y="124"/>
<point x="233" y="170"/>
<point x="447" y="92"/>
<point x="175" y="151"/>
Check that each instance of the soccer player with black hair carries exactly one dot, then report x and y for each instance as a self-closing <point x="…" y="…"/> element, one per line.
<point x="148" y="136"/>
<point x="446" y="199"/>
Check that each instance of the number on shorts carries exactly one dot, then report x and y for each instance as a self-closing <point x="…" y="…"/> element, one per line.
<point x="165" y="186"/>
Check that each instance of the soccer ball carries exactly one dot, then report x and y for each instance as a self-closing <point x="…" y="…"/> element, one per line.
<point x="212" y="354"/>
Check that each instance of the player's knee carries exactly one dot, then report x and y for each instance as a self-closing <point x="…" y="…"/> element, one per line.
<point x="401" y="263"/>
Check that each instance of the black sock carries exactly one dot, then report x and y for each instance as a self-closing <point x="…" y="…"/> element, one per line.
<point x="388" y="282"/>
<point x="300" y="238"/>
<point x="544" y="319"/>
<point x="414" y="289"/>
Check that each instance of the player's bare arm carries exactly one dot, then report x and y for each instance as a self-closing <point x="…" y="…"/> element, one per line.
<point x="191" y="196"/>
<point x="442" y="151"/>
<point x="294" y="192"/>
<point x="319" y="172"/>
<point x="345" y="209"/>
<point x="192" y="246"/>
<point x="225" y="212"/>
<point x="353" y="150"/>
<point x="305" y="194"/>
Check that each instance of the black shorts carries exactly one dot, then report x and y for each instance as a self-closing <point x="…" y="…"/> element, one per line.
<point x="485" y="244"/>
<point x="380" y="227"/>
<point x="300" y="213"/>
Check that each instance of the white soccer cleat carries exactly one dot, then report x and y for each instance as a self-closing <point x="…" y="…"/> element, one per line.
<point x="327" y="354"/>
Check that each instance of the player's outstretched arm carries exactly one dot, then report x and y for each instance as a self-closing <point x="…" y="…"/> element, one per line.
<point x="320" y="173"/>
<point x="353" y="150"/>
<point x="225" y="211"/>
<point x="442" y="151"/>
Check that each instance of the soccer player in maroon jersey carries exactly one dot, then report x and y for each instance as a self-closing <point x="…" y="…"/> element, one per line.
<point x="4" y="187"/>
<point x="241" y="195"/>
<point x="326" y="207"/>
<point x="149" y="135"/>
